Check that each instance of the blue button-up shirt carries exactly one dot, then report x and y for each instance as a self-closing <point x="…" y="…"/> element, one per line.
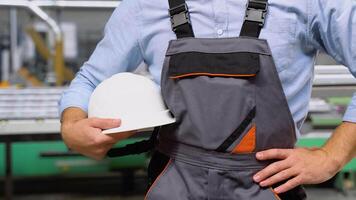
<point x="139" y="30"/>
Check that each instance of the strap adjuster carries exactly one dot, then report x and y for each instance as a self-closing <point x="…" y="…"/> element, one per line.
<point x="256" y="11"/>
<point x="179" y="16"/>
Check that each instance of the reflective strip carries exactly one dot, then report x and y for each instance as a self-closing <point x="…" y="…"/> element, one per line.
<point x="240" y="129"/>
<point x="248" y="142"/>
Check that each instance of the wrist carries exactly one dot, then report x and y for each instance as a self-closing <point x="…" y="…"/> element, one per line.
<point x="333" y="161"/>
<point x="70" y="116"/>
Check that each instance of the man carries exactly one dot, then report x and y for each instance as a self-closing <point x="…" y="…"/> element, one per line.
<point x="296" y="31"/>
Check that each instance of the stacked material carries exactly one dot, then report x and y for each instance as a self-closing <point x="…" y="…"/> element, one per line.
<point x="29" y="103"/>
<point x="333" y="75"/>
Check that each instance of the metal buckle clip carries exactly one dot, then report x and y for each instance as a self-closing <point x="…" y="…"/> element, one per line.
<point x="179" y="15"/>
<point x="256" y="12"/>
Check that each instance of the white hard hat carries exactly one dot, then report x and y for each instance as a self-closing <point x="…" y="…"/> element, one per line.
<point x="134" y="99"/>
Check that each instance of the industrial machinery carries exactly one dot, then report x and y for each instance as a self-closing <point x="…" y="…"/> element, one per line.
<point x="29" y="121"/>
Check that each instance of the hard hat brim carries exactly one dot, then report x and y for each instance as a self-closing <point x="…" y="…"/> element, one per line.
<point x="135" y="123"/>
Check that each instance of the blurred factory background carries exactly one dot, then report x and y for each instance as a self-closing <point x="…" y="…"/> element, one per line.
<point x="42" y="44"/>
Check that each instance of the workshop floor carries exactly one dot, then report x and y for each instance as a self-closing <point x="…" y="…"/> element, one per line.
<point x="313" y="194"/>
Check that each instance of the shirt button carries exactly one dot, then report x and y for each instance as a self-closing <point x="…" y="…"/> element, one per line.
<point x="220" y="31"/>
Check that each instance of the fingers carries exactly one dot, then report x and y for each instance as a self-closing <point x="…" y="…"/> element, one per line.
<point x="279" y="177"/>
<point x="103" y="139"/>
<point x="270" y="170"/>
<point x="273" y="154"/>
<point x="104" y="123"/>
<point x="104" y="142"/>
<point x="294" y="182"/>
<point x="277" y="171"/>
<point x="108" y="140"/>
<point x="295" y="166"/>
<point x="121" y="136"/>
<point x="99" y="146"/>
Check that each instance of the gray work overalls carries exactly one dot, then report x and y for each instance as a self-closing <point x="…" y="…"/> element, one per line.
<point x="229" y="103"/>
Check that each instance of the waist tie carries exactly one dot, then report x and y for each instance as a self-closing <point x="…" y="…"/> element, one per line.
<point x="208" y="158"/>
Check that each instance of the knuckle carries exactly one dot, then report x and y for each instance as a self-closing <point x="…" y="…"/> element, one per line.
<point x="298" y="181"/>
<point x="278" y="177"/>
<point x="289" y="184"/>
<point x="295" y="157"/>
<point x="97" y="141"/>
<point x="275" y="167"/>
<point x="304" y="179"/>
<point x="284" y="175"/>
<point x="292" y="160"/>
<point x="91" y="120"/>
<point x="95" y="120"/>
<point x="262" y="174"/>
<point x="104" y="122"/>
<point x="276" y="151"/>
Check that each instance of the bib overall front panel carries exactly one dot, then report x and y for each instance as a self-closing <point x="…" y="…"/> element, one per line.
<point x="228" y="102"/>
<point x="218" y="89"/>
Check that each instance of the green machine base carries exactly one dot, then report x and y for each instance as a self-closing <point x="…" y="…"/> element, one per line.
<point x="28" y="162"/>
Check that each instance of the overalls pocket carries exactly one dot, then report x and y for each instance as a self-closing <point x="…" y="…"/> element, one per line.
<point x="213" y="93"/>
<point x="194" y="64"/>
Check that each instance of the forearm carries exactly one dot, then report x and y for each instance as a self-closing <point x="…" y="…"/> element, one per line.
<point x="341" y="147"/>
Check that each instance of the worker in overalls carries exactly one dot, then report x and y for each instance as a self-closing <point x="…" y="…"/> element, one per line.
<point x="237" y="77"/>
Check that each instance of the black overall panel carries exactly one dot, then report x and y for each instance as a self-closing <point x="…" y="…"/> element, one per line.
<point x="190" y="64"/>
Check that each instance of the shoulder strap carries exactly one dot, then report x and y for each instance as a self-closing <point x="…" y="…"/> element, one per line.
<point x="180" y="20"/>
<point x="255" y="18"/>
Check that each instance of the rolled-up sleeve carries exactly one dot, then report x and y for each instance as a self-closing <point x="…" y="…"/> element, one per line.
<point x="118" y="51"/>
<point x="332" y="28"/>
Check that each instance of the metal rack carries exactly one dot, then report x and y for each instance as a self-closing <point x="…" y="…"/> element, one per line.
<point x="24" y="122"/>
<point x="333" y="75"/>
<point x="29" y="103"/>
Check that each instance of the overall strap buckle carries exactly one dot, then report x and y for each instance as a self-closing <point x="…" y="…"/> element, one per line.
<point x="179" y="16"/>
<point x="256" y="11"/>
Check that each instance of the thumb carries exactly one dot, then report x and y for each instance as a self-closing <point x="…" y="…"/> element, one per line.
<point x="104" y="123"/>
